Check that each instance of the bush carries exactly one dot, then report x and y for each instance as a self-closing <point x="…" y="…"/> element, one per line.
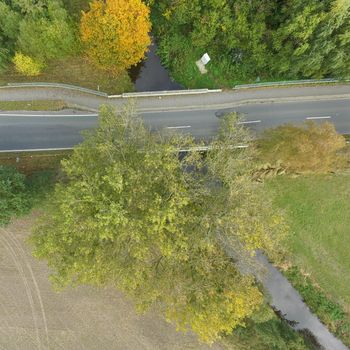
<point x="26" y="65"/>
<point x="14" y="199"/>
<point x="272" y="334"/>
<point x="308" y="148"/>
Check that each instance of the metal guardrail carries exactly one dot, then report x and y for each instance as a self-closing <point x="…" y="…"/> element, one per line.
<point x="59" y="85"/>
<point x="286" y="83"/>
<point x="164" y="93"/>
<point x="124" y="95"/>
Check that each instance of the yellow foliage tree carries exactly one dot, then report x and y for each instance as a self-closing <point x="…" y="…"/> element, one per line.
<point x="27" y="65"/>
<point x="115" y="33"/>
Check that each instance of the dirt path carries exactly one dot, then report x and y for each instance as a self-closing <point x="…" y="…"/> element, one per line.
<point x="33" y="316"/>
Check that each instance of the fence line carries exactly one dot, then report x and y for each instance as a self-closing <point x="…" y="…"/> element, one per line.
<point x="124" y="95"/>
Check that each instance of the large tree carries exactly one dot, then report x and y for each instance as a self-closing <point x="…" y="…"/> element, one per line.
<point x="130" y="213"/>
<point x="116" y="33"/>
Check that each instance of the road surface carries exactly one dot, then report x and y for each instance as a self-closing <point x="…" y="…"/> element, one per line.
<point x="41" y="130"/>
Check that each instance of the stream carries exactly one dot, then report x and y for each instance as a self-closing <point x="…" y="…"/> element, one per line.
<point x="150" y="75"/>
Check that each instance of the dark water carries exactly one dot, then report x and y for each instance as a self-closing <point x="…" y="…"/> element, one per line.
<point x="150" y="75"/>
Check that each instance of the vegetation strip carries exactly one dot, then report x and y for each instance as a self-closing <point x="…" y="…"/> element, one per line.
<point x="35" y="105"/>
<point x="31" y="162"/>
<point x="328" y="311"/>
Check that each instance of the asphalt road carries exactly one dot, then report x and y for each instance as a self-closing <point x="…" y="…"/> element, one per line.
<point x="41" y="130"/>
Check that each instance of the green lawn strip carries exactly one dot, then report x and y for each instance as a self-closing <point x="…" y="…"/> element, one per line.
<point x="75" y="71"/>
<point x="317" y="208"/>
<point x="31" y="162"/>
<point x="36" y="105"/>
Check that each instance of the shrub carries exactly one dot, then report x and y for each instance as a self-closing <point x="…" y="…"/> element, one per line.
<point x="307" y="148"/>
<point x="14" y="199"/>
<point x="27" y="65"/>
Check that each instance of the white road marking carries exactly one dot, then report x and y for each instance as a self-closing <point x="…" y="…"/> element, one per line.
<point x="48" y="115"/>
<point x="325" y="117"/>
<point x="250" y="122"/>
<point x="178" y="127"/>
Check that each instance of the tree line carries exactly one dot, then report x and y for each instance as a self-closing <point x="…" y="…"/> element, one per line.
<point x="266" y="39"/>
<point x="247" y="40"/>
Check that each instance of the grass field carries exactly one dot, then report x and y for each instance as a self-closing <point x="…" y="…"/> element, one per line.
<point x="75" y="71"/>
<point x="317" y="208"/>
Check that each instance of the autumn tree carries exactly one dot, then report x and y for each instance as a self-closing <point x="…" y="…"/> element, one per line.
<point x="130" y="213"/>
<point x="115" y="33"/>
<point x="307" y="148"/>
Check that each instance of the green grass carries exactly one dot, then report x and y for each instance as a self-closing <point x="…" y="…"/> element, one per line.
<point x="317" y="208"/>
<point x="37" y="105"/>
<point x="75" y="71"/>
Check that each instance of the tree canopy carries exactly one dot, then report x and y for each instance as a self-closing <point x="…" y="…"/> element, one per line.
<point x="132" y="214"/>
<point x="39" y="30"/>
<point x="116" y="33"/>
<point x="270" y="39"/>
